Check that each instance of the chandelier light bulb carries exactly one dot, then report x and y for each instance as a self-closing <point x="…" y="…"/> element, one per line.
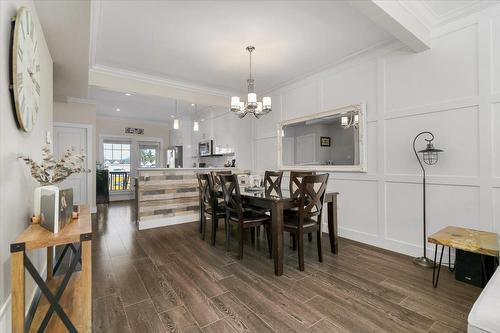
<point x="195" y="126"/>
<point x="345" y="121"/>
<point x="176" y="123"/>
<point x="235" y="102"/>
<point x="266" y="102"/>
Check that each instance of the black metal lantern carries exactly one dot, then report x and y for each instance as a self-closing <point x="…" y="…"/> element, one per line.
<point x="430" y="154"/>
<point x="430" y="157"/>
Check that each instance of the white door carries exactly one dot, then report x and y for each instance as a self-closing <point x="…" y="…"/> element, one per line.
<point x="72" y="138"/>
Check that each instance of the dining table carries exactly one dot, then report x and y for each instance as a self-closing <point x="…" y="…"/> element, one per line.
<point x="277" y="203"/>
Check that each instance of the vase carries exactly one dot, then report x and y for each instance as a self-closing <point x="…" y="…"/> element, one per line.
<point x="46" y="206"/>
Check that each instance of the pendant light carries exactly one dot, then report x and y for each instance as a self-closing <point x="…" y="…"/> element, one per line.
<point x="176" y="121"/>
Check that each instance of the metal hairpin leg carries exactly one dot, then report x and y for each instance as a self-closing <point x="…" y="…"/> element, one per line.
<point x="483" y="266"/>
<point x="435" y="277"/>
<point x="54" y="299"/>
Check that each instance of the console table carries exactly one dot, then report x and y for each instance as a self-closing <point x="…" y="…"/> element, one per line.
<point x="68" y="295"/>
<point x="470" y="240"/>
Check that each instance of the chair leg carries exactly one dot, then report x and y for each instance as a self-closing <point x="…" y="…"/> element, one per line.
<point x="215" y="222"/>
<point x="267" y="227"/>
<point x="300" y="242"/>
<point x="228" y="234"/>
<point x="310" y="236"/>
<point x="320" y="249"/>
<point x="203" y="225"/>
<point x="252" y="235"/>
<point x="240" y="241"/>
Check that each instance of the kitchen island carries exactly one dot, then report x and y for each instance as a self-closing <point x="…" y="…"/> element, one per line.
<point x="168" y="196"/>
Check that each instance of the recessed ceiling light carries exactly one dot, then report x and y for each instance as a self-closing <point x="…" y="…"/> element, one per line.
<point x="128" y="94"/>
<point x="117" y="109"/>
<point x="192" y="104"/>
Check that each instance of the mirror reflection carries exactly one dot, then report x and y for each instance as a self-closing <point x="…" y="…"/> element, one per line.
<point x="326" y="140"/>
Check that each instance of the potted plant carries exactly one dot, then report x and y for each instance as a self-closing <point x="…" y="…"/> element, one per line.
<point x="51" y="208"/>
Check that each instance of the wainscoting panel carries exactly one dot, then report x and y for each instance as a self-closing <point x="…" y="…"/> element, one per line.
<point x="404" y="212"/>
<point x="496" y="138"/>
<point x="265" y="154"/>
<point x="446" y="72"/>
<point x="354" y="85"/>
<point x="452" y="205"/>
<point x="352" y="216"/>
<point x="446" y="90"/>
<point x="495" y="53"/>
<point x="301" y="100"/>
<point x="456" y="133"/>
<point x="371" y="135"/>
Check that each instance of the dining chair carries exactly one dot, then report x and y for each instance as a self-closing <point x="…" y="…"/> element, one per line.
<point x="209" y="205"/>
<point x="294" y="186"/>
<point x="272" y="186"/>
<point x="215" y="177"/>
<point x="311" y="197"/>
<point x="237" y="214"/>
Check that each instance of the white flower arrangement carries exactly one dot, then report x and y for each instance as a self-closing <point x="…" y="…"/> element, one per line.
<point x="49" y="171"/>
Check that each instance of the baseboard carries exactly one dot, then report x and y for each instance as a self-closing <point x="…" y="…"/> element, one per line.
<point x="166" y="221"/>
<point x="6" y="310"/>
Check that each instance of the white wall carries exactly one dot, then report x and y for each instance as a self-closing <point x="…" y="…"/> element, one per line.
<point x="16" y="184"/>
<point x="452" y="90"/>
<point x="81" y="114"/>
<point x="229" y="131"/>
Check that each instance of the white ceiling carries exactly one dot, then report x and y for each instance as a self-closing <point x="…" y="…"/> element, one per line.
<point x="203" y="42"/>
<point x="148" y="108"/>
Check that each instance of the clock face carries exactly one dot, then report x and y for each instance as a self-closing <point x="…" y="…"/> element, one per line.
<point x="25" y="70"/>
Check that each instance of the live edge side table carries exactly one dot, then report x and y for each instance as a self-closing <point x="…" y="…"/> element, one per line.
<point x="66" y="300"/>
<point x="481" y="242"/>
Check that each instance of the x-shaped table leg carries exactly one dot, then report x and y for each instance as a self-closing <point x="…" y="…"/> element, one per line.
<point x="54" y="299"/>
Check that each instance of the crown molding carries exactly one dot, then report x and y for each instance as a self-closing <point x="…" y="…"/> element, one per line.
<point x="162" y="81"/>
<point x="78" y="100"/>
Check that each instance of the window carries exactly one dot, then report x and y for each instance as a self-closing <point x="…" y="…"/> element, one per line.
<point x="117" y="161"/>
<point x="149" y="155"/>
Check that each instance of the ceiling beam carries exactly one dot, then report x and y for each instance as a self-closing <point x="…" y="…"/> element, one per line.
<point x="394" y="17"/>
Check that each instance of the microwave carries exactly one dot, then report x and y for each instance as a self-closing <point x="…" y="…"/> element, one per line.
<point x="206" y="148"/>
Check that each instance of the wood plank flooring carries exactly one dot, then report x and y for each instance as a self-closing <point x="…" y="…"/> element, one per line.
<point x="169" y="280"/>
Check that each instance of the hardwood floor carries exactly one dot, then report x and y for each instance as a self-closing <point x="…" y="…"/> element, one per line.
<point x="169" y="280"/>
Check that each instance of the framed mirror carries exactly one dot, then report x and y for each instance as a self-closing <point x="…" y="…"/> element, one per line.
<point x="330" y="141"/>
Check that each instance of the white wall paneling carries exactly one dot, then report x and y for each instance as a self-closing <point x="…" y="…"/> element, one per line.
<point x="453" y="90"/>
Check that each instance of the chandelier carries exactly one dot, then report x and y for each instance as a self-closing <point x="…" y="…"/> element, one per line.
<point x="258" y="109"/>
<point x="350" y="121"/>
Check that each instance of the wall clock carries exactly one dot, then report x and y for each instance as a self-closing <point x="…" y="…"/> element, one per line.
<point x="25" y="75"/>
